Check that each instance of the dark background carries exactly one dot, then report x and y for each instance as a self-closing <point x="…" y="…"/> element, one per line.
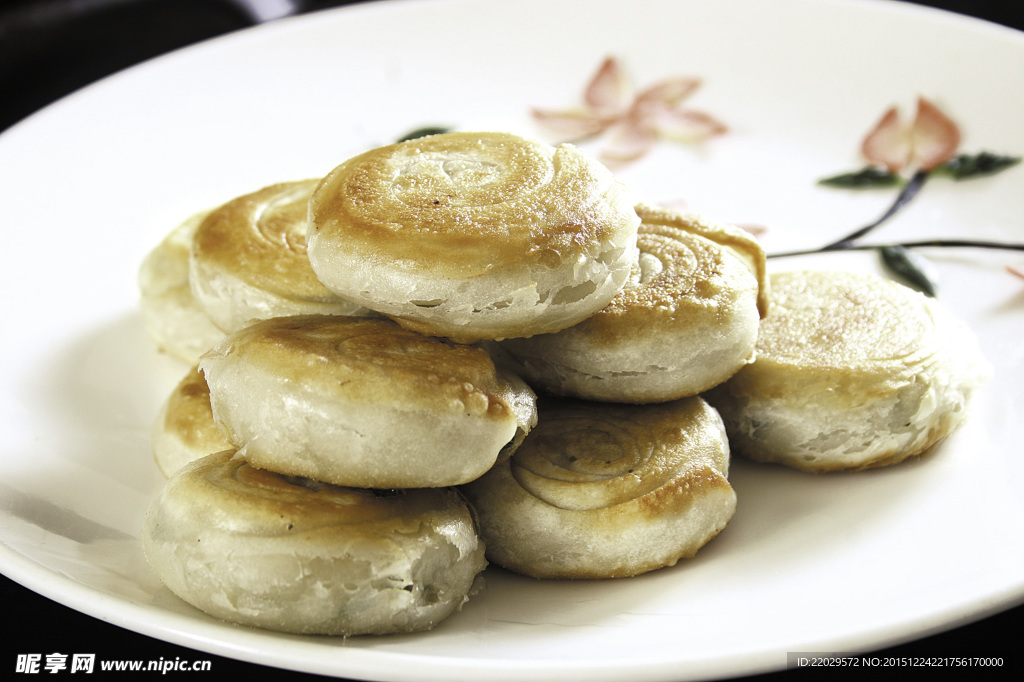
<point x="49" y="48"/>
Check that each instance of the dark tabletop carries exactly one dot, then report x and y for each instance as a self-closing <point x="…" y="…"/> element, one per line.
<point x="47" y="50"/>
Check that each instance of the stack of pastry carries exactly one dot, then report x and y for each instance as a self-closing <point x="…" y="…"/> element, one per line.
<point x="363" y="432"/>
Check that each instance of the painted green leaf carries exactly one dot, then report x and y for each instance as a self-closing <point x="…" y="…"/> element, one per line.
<point x="866" y="178"/>
<point x="963" y="166"/>
<point x="915" y="271"/>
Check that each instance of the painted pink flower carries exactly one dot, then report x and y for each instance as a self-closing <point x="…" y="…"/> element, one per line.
<point x="632" y="121"/>
<point x="928" y="141"/>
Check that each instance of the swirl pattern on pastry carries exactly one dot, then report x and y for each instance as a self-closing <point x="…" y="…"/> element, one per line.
<point x="474" y="235"/>
<point x="294" y="555"/>
<point x="249" y="261"/>
<point x="170" y="313"/>
<point x="602" y="490"/>
<point x="852" y="372"/>
<point x="686" y="321"/>
<point x="364" y="402"/>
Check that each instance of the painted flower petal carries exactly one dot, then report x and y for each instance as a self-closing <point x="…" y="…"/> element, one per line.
<point x="1016" y="270"/>
<point x="935" y="137"/>
<point x="571" y="125"/>
<point x="888" y="143"/>
<point x="929" y="141"/>
<point x="667" y="93"/>
<point x="633" y="123"/>
<point x="685" y="125"/>
<point x="608" y="93"/>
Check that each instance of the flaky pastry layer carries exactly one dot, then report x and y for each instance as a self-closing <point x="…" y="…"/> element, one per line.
<point x="294" y="555"/>
<point x="364" y="402"/>
<point x="686" y="321"/>
<point x="604" y="490"/>
<point x="473" y="235"/>
<point x="248" y="260"/>
<point x="173" y="318"/>
<point x="852" y="372"/>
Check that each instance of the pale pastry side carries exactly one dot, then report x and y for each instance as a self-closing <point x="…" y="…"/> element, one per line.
<point x="170" y="313"/>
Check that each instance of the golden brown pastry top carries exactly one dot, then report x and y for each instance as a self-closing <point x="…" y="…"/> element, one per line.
<point x="224" y="488"/>
<point x="459" y="204"/>
<point x="839" y="322"/>
<point x="683" y="280"/>
<point x="372" y="361"/>
<point x="739" y="242"/>
<point x="188" y="414"/>
<point x="260" y="238"/>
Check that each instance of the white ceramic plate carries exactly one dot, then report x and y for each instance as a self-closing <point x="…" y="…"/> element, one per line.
<point x="828" y="563"/>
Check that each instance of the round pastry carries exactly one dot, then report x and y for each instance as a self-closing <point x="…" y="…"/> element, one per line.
<point x="364" y="402"/>
<point x="184" y="429"/>
<point x="685" y="322"/>
<point x="474" y="235"/>
<point x="603" y="490"/>
<point x="293" y="555"/>
<point x="853" y="371"/>
<point x="170" y="313"/>
<point x="249" y="262"/>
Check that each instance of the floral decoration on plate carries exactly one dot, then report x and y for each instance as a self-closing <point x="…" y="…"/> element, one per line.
<point x="905" y="154"/>
<point x="632" y="120"/>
